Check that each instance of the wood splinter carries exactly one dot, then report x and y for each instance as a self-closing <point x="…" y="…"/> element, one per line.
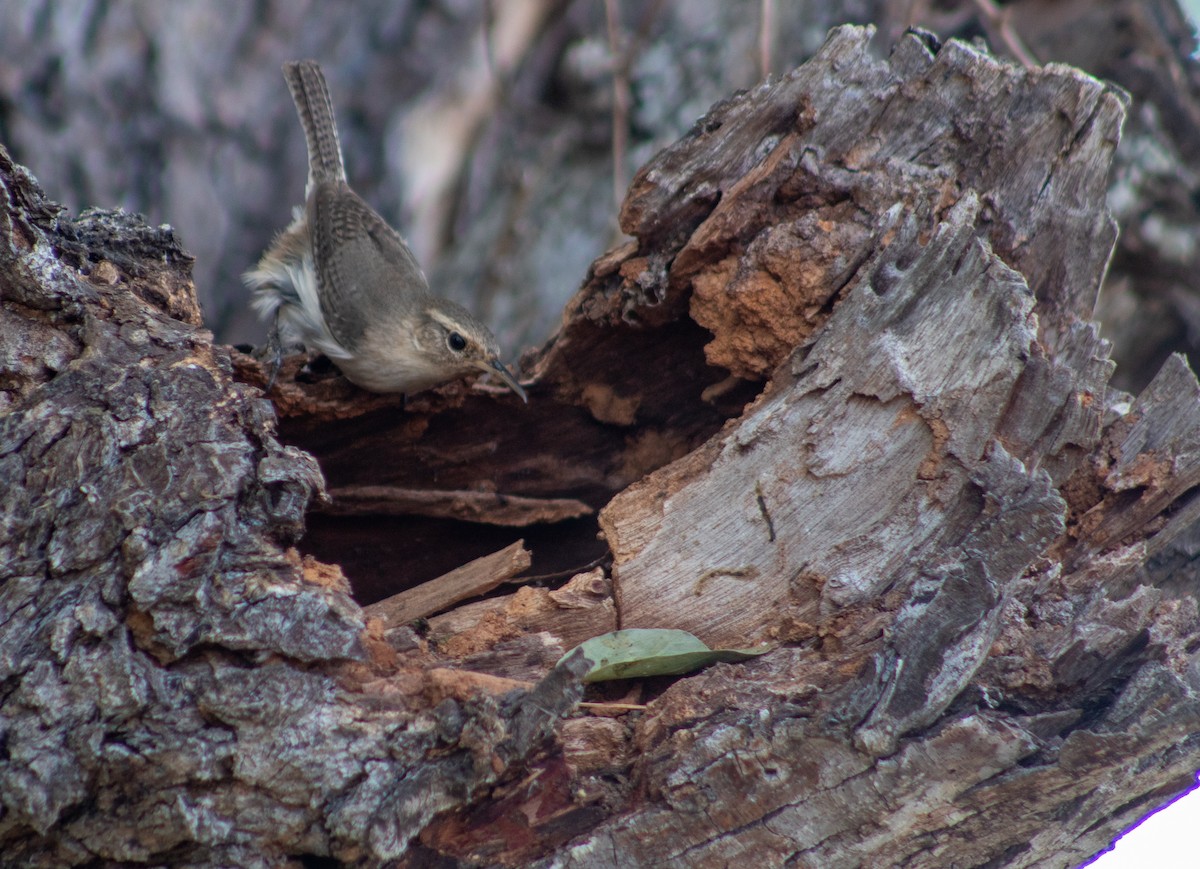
<point x="488" y="507"/>
<point x="473" y="579"/>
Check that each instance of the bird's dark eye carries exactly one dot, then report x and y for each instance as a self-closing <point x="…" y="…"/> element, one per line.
<point x="457" y="342"/>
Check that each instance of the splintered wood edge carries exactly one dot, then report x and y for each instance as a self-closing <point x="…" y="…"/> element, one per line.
<point x="490" y="507"/>
<point x="471" y="580"/>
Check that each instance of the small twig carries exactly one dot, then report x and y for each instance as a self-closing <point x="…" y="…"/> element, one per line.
<point x="563" y="574"/>
<point x="1001" y="21"/>
<point x="489" y="50"/>
<point x="766" y="36"/>
<point x="626" y="707"/>
<point x="623" y="48"/>
<point x="917" y="10"/>
<point x="620" y="113"/>
<point x="500" y="79"/>
<point x="471" y="580"/>
<point x="492" y="508"/>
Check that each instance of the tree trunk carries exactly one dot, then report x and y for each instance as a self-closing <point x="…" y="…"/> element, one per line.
<point x="840" y="395"/>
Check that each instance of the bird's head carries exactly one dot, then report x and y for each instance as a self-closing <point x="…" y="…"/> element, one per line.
<point x="458" y="344"/>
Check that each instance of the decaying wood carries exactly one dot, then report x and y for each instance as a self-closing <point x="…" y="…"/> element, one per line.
<point x="840" y="393"/>
<point x="489" y="507"/>
<point x="580" y="610"/>
<point x="177" y="686"/>
<point x="473" y="579"/>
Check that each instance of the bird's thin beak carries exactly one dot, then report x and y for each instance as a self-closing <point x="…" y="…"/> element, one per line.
<point x="507" y="376"/>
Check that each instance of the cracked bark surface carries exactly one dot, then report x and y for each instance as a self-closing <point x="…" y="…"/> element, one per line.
<point x="841" y="393"/>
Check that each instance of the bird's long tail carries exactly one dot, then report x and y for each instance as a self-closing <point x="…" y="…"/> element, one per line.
<point x="315" y="109"/>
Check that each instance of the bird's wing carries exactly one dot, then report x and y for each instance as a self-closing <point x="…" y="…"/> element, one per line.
<point x="365" y="271"/>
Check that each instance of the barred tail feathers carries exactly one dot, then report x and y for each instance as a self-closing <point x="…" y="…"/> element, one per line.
<point x="315" y="108"/>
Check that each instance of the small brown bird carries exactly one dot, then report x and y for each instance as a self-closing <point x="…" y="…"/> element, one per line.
<point x="341" y="281"/>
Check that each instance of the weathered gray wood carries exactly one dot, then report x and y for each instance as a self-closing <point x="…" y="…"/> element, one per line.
<point x="888" y="504"/>
<point x="879" y="441"/>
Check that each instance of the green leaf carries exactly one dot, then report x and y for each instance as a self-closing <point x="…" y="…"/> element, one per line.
<point x="637" y="652"/>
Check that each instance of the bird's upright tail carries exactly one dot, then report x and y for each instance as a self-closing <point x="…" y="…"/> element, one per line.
<point x="315" y="109"/>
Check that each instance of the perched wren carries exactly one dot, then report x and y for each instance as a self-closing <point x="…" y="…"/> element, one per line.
<point x="342" y="281"/>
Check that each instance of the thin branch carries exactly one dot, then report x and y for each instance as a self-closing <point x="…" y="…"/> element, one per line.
<point x="471" y="580"/>
<point x="1000" y="21"/>
<point x="620" y="114"/>
<point x="766" y="36"/>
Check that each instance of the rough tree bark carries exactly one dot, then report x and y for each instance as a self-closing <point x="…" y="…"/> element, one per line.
<point x="841" y="394"/>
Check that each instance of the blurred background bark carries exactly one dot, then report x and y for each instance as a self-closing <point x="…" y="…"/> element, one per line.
<point x="485" y="131"/>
